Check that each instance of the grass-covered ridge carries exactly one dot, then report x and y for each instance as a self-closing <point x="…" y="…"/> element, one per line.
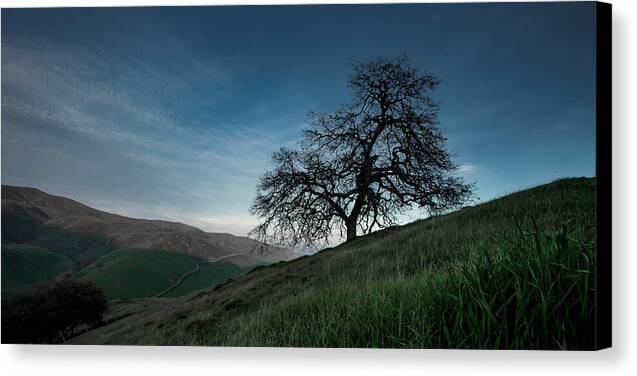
<point x="525" y="294"/>
<point x="208" y="275"/>
<point x="144" y="273"/>
<point x="516" y="272"/>
<point x="25" y="265"/>
<point x="137" y="273"/>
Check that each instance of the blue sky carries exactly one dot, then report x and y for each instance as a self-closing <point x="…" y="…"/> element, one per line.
<point x="173" y="113"/>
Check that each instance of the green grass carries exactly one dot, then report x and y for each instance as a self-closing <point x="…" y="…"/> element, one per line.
<point x="533" y="291"/>
<point x="24" y="265"/>
<point x="82" y="249"/>
<point x="136" y="273"/>
<point x="209" y="275"/>
<point x="516" y="273"/>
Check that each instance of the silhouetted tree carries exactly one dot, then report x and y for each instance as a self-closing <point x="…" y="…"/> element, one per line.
<point x="41" y="313"/>
<point x="361" y="166"/>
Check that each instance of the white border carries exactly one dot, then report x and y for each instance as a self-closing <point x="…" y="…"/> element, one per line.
<point x="184" y="361"/>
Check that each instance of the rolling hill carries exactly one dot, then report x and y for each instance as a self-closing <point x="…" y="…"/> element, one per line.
<point x="45" y="236"/>
<point x="24" y="265"/>
<point x="137" y="273"/>
<point x="32" y="215"/>
<point x="517" y="272"/>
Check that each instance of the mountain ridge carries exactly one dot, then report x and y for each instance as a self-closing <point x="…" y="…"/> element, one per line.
<point x="28" y="212"/>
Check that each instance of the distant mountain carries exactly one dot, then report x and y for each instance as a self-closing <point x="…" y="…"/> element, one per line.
<point x="81" y="233"/>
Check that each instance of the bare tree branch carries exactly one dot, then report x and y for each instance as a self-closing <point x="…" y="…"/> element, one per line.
<point x="358" y="168"/>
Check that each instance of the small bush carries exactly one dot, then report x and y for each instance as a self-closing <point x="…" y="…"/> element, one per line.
<point x="50" y="313"/>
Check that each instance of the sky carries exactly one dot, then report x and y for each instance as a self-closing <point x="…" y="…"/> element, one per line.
<point x="173" y="113"/>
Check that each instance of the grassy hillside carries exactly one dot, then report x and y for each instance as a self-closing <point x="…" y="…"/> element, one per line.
<point x="142" y="273"/>
<point x="208" y="275"/>
<point x="82" y="249"/>
<point x="24" y="265"/>
<point x="83" y="234"/>
<point x="99" y="246"/>
<point x="517" y="272"/>
<point x="130" y="273"/>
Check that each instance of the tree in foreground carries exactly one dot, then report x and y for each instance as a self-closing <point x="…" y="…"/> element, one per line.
<point x="358" y="168"/>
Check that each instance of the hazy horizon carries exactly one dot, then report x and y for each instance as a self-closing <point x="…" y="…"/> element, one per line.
<point x="173" y="113"/>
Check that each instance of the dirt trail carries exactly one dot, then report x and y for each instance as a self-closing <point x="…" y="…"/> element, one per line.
<point x="195" y="270"/>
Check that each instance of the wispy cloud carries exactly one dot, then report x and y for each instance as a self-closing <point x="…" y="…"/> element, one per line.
<point x="191" y="150"/>
<point x="174" y="113"/>
<point x="108" y="113"/>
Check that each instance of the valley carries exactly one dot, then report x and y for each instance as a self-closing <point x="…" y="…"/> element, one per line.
<point x="47" y="237"/>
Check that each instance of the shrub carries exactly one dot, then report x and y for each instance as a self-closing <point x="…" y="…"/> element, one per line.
<point x="50" y="313"/>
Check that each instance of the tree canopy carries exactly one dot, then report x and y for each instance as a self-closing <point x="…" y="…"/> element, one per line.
<point x="358" y="168"/>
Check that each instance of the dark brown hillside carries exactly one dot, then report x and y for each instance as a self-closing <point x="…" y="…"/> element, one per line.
<point x="29" y="214"/>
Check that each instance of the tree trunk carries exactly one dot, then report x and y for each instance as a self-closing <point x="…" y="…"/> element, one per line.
<point x="351" y="230"/>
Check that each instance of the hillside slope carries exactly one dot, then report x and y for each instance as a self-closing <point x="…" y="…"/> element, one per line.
<point x="83" y="234"/>
<point x="28" y="265"/>
<point x="516" y="272"/>
<point x="137" y="273"/>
